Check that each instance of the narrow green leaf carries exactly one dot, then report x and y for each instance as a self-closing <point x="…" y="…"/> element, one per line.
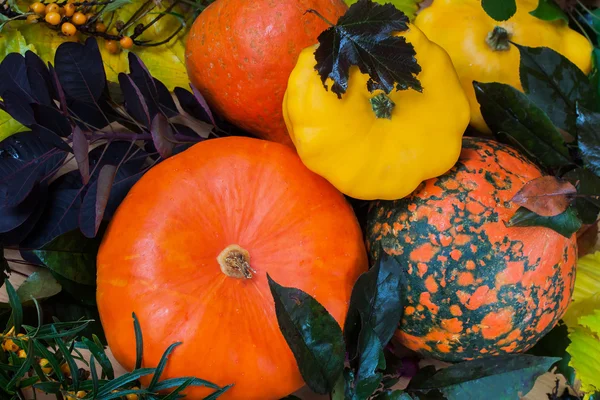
<point x="507" y="377"/>
<point x="48" y="387"/>
<point x="101" y="356"/>
<point x="114" y="6"/>
<point x="70" y="362"/>
<point x="548" y="10"/>
<point x="4" y="384"/>
<point x="555" y="85"/>
<point x="312" y="334"/>
<point x="588" y="124"/>
<point x="139" y="342"/>
<point x="51" y="359"/>
<point x="38" y="371"/>
<point x="174" y="382"/>
<point x="24" y="367"/>
<point x="94" y="376"/>
<point x="179" y="389"/>
<point x="371" y="359"/>
<point x="15" y="305"/>
<point x="39" y="285"/>
<point x="125" y="379"/>
<point x="161" y="366"/>
<point x="218" y="393"/>
<point x="40" y="318"/>
<point x="566" y="223"/>
<point x="25" y="383"/>
<point x="377" y="300"/>
<point x="123" y="393"/>
<point x="500" y="10"/>
<point x="516" y="120"/>
<point x="46" y="332"/>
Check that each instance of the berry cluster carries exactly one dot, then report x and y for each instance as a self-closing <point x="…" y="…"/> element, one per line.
<point x="74" y="16"/>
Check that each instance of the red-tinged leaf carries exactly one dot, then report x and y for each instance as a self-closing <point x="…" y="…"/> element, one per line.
<point x="162" y="136"/>
<point x="80" y="149"/>
<point x="587" y="237"/>
<point x="95" y="201"/>
<point x="203" y="104"/>
<point x="59" y="90"/>
<point x="547" y="196"/>
<point x="135" y="104"/>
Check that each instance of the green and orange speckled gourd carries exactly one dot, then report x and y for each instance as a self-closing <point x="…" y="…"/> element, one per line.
<point x="475" y="287"/>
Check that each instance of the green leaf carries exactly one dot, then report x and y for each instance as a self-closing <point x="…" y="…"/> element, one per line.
<point x="408" y="7"/>
<point x="123" y="380"/>
<point x="9" y="126"/>
<point x="179" y="389"/>
<point x="100" y="355"/>
<point x="25" y="383"/>
<point x="585" y="350"/>
<point x="376" y="300"/>
<point x="517" y="120"/>
<point x="363" y="37"/>
<point x="51" y="359"/>
<point x="39" y="285"/>
<point x="139" y="342"/>
<point x="15" y="305"/>
<point x="94" y="375"/>
<point x="394" y="395"/>
<point x="371" y="359"/>
<point x="588" y="124"/>
<point x="555" y="85"/>
<point x="554" y="344"/>
<point x="506" y="377"/>
<point x="548" y="10"/>
<point x="70" y="361"/>
<point x="174" y="382"/>
<point x="500" y="10"/>
<point x="72" y="256"/>
<point x="566" y="223"/>
<point x="588" y="185"/>
<point x="114" y="6"/>
<point x="161" y="366"/>
<point x="24" y="367"/>
<point x="48" y="387"/>
<point x="312" y="334"/>
<point x="218" y="393"/>
<point x="123" y="394"/>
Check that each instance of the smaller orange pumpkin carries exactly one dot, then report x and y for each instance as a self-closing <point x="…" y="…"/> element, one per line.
<point x="190" y="247"/>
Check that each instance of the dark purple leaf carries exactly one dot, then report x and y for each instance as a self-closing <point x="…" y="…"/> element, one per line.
<point x="202" y="101"/>
<point x="95" y="201"/>
<point x="18" y="107"/>
<point x="182" y="147"/>
<point x="80" y="149"/>
<point x="14" y="77"/>
<point x="25" y="159"/>
<point x="119" y="190"/>
<point x="39" y="78"/>
<point x="134" y="101"/>
<point x="60" y="93"/>
<point x="80" y="70"/>
<point x="130" y="157"/>
<point x="49" y="137"/>
<point x="61" y="213"/>
<point x="92" y="115"/>
<point x="51" y="118"/>
<point x="165" y="99"/>
<point x="162" y="136"/>
<point x="16" y="236"/>
<point x="12" y="217"/>
<point x="190" y="105"/>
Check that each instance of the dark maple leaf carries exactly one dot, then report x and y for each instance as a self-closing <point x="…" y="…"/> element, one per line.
<point x="547" y="196"/>
<point x="364" y="37"/>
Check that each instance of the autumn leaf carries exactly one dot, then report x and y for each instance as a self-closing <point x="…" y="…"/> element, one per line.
<point x="546" y="196"/>
<point x="408" y="7"/>
<point x="364" y="37"/>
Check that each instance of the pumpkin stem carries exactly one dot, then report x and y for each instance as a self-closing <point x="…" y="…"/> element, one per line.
<point x="235" y="262"/>
<point x="382" y="106"/>
<point x="498" y="39"/>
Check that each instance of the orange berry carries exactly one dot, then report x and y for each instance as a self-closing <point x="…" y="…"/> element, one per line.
<point x="81" y="394"/>
<point x="68" y="29"/>
<point x="112" y="46"/>
<point x="22" y="354"/>
<point x="64" y="368"/>
<point x="9" y="345"/>
<point x="78" y="18"/>
<point x="100" y="27"/>
<point x="45" y="365"/>
<point x="32" y="19"/>
<point x="126" y="42"/>
<point x="53" y="18"/>
<point x="38" y="8"/>
<point x="52" y="8"/>
<point x="89" y="15"/>
<point x="70" y="9"/>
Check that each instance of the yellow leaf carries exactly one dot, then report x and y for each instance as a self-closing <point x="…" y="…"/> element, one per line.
<point x="586" y="296"/>
<point x="408" y="7"/>
<point x="585" y="353"/>
<point x="592" y="322"/>
<point x="9" y="126"/>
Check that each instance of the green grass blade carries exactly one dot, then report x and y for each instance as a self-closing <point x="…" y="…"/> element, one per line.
<point x="70" y="362"/>
<point x="139" y="342"/>
<point x="174" y="382"/>
<point x="174" y="394"/>
<point x="218" y="393"/>
<point x="161" y="365"/>
<point x="15" y="305"/>
<point x="125" y="379"/>
<point x="100" y="356"/>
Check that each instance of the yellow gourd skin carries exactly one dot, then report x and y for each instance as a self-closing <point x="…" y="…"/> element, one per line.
<point x="462" y="26"/>
<point x="367" y="157"/>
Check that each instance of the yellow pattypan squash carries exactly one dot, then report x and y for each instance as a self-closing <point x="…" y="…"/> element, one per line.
<point x="353" y="144"/>
<point x="480" y="49"/>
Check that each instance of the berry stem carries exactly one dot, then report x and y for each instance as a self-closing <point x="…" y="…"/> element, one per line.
<point x="138" y="32"/>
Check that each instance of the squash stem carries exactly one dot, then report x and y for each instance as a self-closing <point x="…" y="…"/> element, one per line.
<point x="498" y="39"/>
<point x="382" y="106"/>
<point x="235" y="262"/>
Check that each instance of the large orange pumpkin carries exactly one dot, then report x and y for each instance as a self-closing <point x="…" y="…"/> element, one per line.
<point x="240" y="54"/>
<point x="189" y="249"/>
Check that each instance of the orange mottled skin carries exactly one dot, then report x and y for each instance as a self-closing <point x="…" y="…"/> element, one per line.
<point x="159" y="260"/>
<point x="240" y="54"/>
<point x="475" y="287"/>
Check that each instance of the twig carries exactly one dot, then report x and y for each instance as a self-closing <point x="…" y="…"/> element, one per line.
<point x="156" y="19"/>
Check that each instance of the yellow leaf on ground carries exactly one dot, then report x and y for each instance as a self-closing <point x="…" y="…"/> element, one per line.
<point x="586" y="296"/>
<point x="585" y="353"/>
